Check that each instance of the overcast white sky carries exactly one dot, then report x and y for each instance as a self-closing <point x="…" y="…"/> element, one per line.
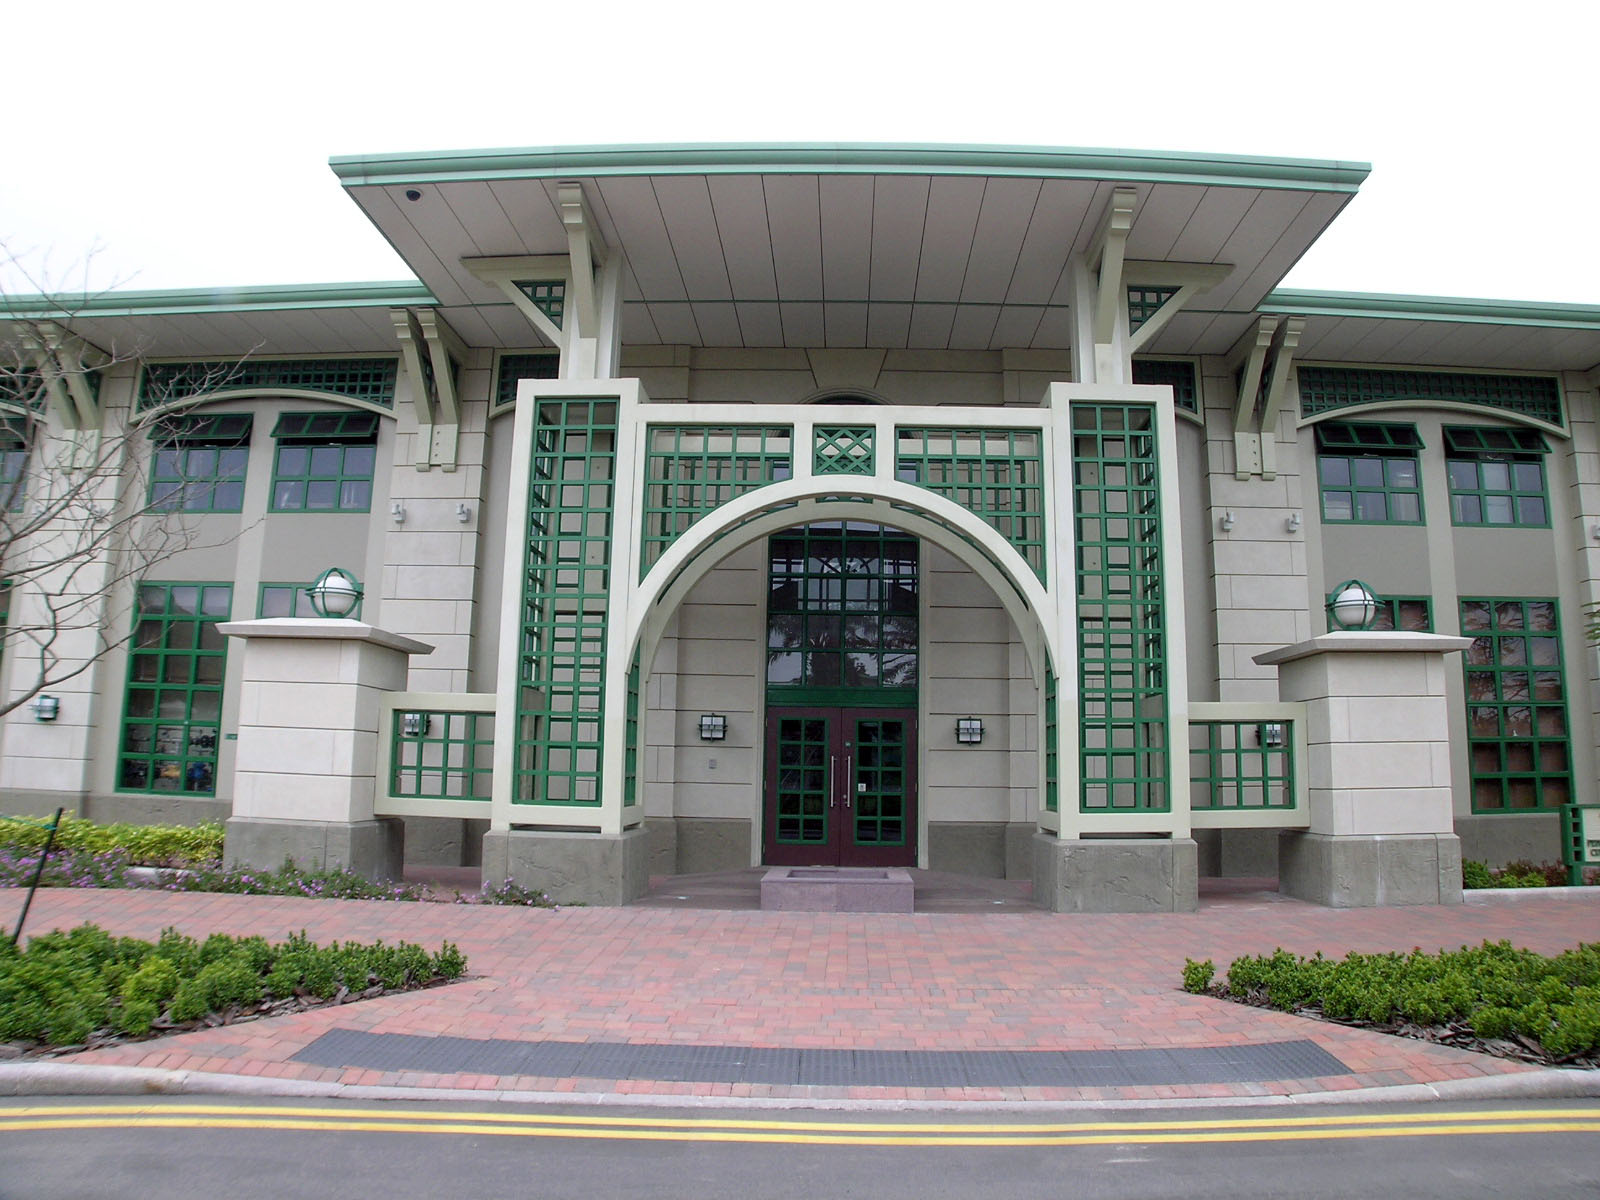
<point x="187" y="144"/>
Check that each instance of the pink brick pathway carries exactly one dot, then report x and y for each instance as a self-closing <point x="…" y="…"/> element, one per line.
<point x="1016" y="981"/>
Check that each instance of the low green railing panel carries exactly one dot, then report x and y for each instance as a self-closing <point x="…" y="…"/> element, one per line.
<point x="1241" y="765"/>
<point x="442" y="756"/>
<point x="692" y="470"/>
<point x="843" y="450"/>
<point x="997" y="474"/>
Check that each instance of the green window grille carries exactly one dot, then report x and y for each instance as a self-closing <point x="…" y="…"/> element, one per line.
<point x="1240" y="765"/>
<point x="1052" y="745"/>
<point x="1407" y="614"/>
<point x="370" y="380"/>
<point x="172" y="709"/>
<point x="14" y="440"/>
<point x="514" y="368"/>
<point x="1177" y="373"/>
<point x="691" y="470"/>
<point x="843" y="450"/>
<point x="549" y="297"/>
<point x="1517" y="731"/>
<point x="997" y="474"/>
<point x="566" y="591"/>
<point x="1325" y="389"/>
<point x="1369" y="473"/>
<point x="442" y="755"/>
<point x="1496" y="476"/>
<point x="324" y="462"/>
<point x="199" y="463"/>
<point x="1122" y="673"/>
<point x="1145" y="302"/>
<point x="630" y="748"/>
<point x="291" y="600"/>
<point x="842" y="615"/>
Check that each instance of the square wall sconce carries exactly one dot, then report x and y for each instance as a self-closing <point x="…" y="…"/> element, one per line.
<point x="415" y="724"/>
<point x="1270" y="736"/>
<point x="46" y="708"/>
<point x="969" y="730"/>
<point x="713" y="727"/>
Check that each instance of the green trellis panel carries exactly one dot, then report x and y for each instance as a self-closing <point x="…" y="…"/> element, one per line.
<point x="997" y="474"/>
<point x="1145" y="302"/>
<point x="691" y="470"/>
<point x="1052" y="745"/>
<point x="450" y="757"/>
<point x="630" y="750"/>
<point x="1234" y="767"/>
<point x="369" y="379"/>
<point x="1122" y="643"/>
<point x="1324" y="389"/>
<point x="566" y="592"/>
<point x="843" y="450"/>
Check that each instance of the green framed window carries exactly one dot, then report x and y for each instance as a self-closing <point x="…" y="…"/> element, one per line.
<point x="172" y="710"/>
<point x="1407" y="614"/>
<point x="199" y="463"/>
<point x="1369" y="473"/>
<point x="324" y="462"/>
<point x="1177" y="373"/>
<point x="13" y="462"/>
<point x="1518" y="743"/>
<point x="514" y="368"/>
<point x="842" y="614"/>
<point x="1496" y="476"/>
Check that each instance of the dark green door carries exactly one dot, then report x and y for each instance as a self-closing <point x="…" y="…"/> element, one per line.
<point x="840" y="787"/>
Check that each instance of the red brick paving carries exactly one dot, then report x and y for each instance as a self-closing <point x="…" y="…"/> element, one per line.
<point x="1021" y="980"/>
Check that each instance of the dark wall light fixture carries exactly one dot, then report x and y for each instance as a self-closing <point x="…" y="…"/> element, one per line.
<point x="46" y="708"/>
<point x="713" y="727"/>
<point x="969" y="730"/>
<point x="415" y="724"/>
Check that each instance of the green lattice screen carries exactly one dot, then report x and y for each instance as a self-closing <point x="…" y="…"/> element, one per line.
<point x="690" y="470"/>
<point x="565" y="595"/>
<point x="630" y="749"/>
<point x="1324" y="389"/>
<point x="548" y="297"/>
<point x="1177" y="374"/>
<point x="843" y="450"/>
<point x="368" y="379"/>
<point x="997" y="474"/>
<point x="1052" y="745"/>
<point x="514" y="368"/>
<point x="1236" y="765"/>
<point x="442" y="755"/>
<point x="1122" y="673"/>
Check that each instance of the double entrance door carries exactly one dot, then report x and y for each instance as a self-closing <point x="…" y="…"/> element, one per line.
<point x="840" y="787"/>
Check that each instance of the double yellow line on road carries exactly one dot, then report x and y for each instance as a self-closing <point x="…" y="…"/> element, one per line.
<point x="1330" y="1127"/>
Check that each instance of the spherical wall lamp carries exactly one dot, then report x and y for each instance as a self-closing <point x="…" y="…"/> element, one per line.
<point x="336" y="593"/>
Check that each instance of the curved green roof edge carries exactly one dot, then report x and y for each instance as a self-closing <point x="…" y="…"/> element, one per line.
<point x="215" y="300"/>
<point x="849" y="158"/>
<point x="1468" y="310"/>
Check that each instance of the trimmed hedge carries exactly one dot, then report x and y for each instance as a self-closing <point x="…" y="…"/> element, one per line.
<point x="1492" y="992"/>
<point x="67" y="988"/>
<point x="144" y="845"/>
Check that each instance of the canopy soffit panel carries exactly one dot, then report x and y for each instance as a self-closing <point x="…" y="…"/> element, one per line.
<point x="927" y="247"/>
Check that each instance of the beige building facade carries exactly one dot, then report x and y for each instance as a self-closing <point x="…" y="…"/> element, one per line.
<point x="974" y="509"/>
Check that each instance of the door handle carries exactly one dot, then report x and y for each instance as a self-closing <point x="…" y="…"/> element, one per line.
<point x="833" y="796"/>
<point x="849" y="778"/>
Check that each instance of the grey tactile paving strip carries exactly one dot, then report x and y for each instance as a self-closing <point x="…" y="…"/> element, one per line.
<point x="1256" y="1062"/>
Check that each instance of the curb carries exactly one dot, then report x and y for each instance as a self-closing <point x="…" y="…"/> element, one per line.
<point x="1491" y="895"/>
<point x="74" y="1079"/>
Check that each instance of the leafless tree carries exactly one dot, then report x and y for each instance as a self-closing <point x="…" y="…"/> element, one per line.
<point x="80" y="524"/>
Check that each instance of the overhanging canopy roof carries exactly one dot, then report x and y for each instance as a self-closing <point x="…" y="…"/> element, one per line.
<point x="960" y="247"/>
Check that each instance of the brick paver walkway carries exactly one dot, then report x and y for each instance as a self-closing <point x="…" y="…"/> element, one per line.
<point x="1010" y="981"/>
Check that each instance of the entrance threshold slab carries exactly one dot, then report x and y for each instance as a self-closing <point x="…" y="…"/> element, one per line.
<point x="838" y="889"/>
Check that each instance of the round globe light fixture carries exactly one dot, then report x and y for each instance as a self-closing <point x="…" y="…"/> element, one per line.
<point x="1352" y="605"/>
<point x="336" y="593"/>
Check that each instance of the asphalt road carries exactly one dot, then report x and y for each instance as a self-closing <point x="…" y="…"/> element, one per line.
<point x="84" y="1149"/>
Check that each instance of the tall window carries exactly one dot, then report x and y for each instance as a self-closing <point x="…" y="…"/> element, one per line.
<point x="173" y="707"/>
<point x="842" y="609"/>
<point x="200" y="462"/>
<point x="1516" y="705"/>
<point x="1369" y="473"/>
<point x="1496" y="476"/>
<point x="324" y="462"/>
<point x="13" y="461"/>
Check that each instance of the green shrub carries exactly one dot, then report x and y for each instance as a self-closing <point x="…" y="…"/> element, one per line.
<point x="155" y="982"/>
<point x="1197" y="976"/>
<point x="449" y="963"/>
<point x="1475" y="874"/>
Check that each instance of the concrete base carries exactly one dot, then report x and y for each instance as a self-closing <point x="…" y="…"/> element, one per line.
<point x="1498" y="840"/>
<point x="1105" y="875"/>
<point x="838" y="889"/>
<point x="1363" y="871"/>
<point x="707" y="844"/>
<point x="374" y="849"/>
<point x="1237" y="853"/>
<point x="444" y="841"/>
<point x="967" y="848"/>
<point x="1019" y="849"/>
<point x="661" y="839"/>
<point x="571" y="868"/>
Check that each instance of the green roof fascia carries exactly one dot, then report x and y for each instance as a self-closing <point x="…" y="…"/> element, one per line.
<point x="1289" y="302"/>
<point x="849" y="158"/>
<point x="217" y="300"/>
